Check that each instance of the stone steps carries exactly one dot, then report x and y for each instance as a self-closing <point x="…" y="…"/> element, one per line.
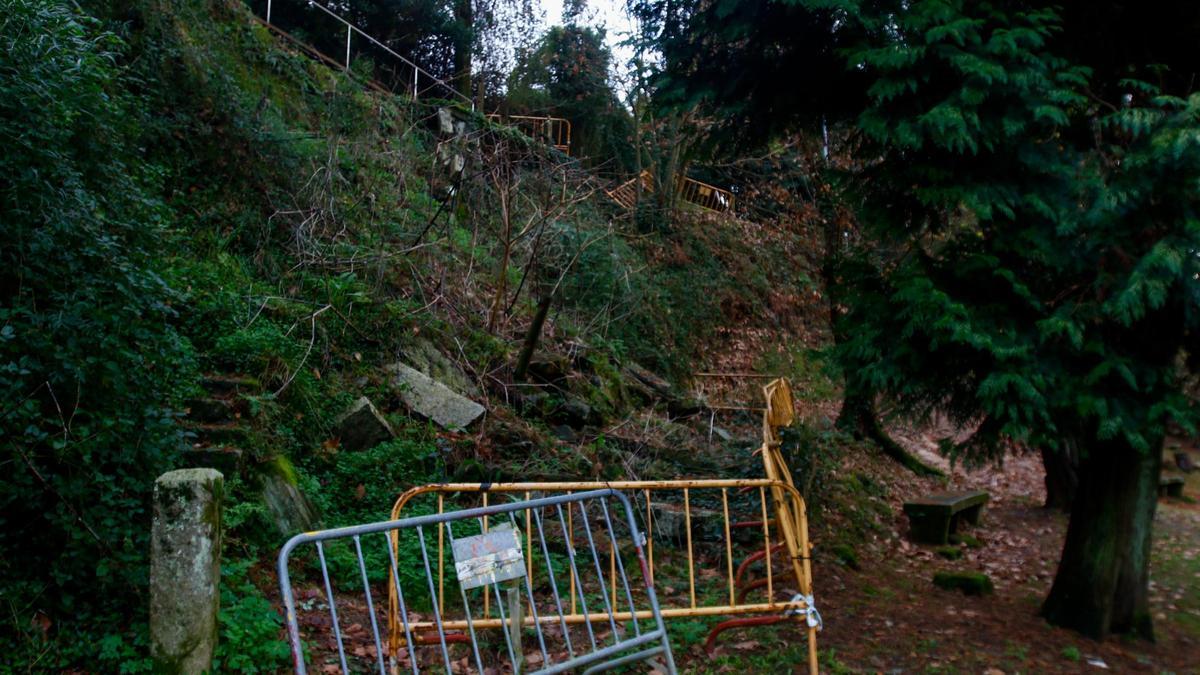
<point x="225" y="385"/>
<point x="216" y="433"/>
<point x="214" y="421"/>
<point x="226" y="459"/>
<point x="213" y="410"/>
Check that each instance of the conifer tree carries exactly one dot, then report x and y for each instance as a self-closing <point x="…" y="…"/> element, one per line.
<point x="1033" y="268"/>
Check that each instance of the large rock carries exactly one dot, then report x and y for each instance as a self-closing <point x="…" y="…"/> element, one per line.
<point x="361" y="427"/>
<point x="576" y="414"/>
<point x="425" y="357"/>
<point x="653" y="385"/>
<point x="445" y="120"/>
<point x="185" y="570"/>
<point x="549" y="368"/>
<point x="670" y="523"/>
<point x="433" y="400"/>
<point x="451" y="129"/>
<point x="290" y="509"/>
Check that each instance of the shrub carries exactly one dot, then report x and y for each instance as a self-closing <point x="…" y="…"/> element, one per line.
<point x="249" y="626"/>
<point x="361" y="487"/>
<point x="90" y="365"/>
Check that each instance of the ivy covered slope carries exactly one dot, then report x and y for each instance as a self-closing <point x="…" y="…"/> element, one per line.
<point x="191" y="213"/>
<point x="91" y="360"/>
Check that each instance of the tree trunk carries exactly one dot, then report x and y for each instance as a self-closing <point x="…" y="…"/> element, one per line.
<point x="464" y="39"/>
<point x="1062" y="476"/>
<point x="1101" y="586"/>
<point x="533" y="336"/>
<point x="500" y="180"/>
<point x="858" y="415"/>
<point x="859" y="418"/>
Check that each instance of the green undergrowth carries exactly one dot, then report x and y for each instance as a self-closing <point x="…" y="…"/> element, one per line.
<point x="192" y="200"/>
<point x="764" y="649"/>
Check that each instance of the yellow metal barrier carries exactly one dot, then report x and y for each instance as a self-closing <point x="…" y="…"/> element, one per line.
<point x="669" y="521"/>
<point x="553" y="131"/>
<point x="710" y="197"/>
<point x="690" y="190"/>
<point x="625" y="194"/>
<point x="662" y="516"/>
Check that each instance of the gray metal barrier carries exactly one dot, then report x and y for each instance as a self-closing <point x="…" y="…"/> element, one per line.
<point x="489" y="565"/>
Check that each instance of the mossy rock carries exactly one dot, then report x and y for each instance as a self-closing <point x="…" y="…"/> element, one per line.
<point x="970" y="583"/>
<point x="606" y="388"/>
<point x="965" y="539"/>
<point x="846" y="555"/>
<point x="290" y="509"/>
<point x="949" y="552"/>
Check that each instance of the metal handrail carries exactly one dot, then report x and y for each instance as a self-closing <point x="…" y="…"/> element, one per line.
<point x="351" y="29"/>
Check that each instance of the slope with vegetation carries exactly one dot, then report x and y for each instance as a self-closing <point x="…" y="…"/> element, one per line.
<point x="212" y="243"/>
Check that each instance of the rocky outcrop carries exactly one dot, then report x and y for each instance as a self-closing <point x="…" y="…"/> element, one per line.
<point x="425" y="357"/>
<point x="361" y="427"/>
<point x="433" y="400"/>
<point x="291" y="511"/>
<point x="671" y="521"/>
<point x="576" y="414"/>
<point x="549" y="368"/>
<point x="646" y="385"/>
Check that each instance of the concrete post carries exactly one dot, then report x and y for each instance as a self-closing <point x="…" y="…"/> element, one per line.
<point x="515" y="624"/>
<point x="185" y="570"/>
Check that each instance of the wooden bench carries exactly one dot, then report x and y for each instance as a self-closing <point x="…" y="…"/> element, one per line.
<point x="934" y="517"/>
<point x="1170" y="486"/>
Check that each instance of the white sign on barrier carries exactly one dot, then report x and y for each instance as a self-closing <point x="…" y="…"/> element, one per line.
<point x="488" y="558"/>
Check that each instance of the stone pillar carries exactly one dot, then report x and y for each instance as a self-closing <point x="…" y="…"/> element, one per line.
<point x="185" y="570"/>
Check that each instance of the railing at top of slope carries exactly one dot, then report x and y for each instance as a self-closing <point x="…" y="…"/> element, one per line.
<point x="417" y="71"/>
<point x="554" y="131"/>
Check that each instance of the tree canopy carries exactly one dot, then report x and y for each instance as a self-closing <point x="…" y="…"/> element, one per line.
<point x="1031" y="261"/>
<point x="567" y="74"/>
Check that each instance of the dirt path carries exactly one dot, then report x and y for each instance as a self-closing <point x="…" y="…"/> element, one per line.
<point x="886" y="616"/>
<point x="889" y="617"/>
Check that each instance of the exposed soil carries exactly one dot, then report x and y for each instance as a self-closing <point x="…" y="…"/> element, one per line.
<point x="889" y="617"/>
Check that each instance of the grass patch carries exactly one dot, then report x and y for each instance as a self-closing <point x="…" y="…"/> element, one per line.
<point x="949" y="552"/>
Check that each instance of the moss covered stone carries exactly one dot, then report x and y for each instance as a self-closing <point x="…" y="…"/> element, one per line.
<point x="970" y="583"/>
<point x="847" y="556"/>
<point x="290" y="509"/>
<point x="185" y="570"/>
<point x="949" y="552"/>
<point x="966" y="540"/>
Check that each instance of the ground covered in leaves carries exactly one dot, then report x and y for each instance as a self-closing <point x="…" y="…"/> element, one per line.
<point x="883" y="614"/>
